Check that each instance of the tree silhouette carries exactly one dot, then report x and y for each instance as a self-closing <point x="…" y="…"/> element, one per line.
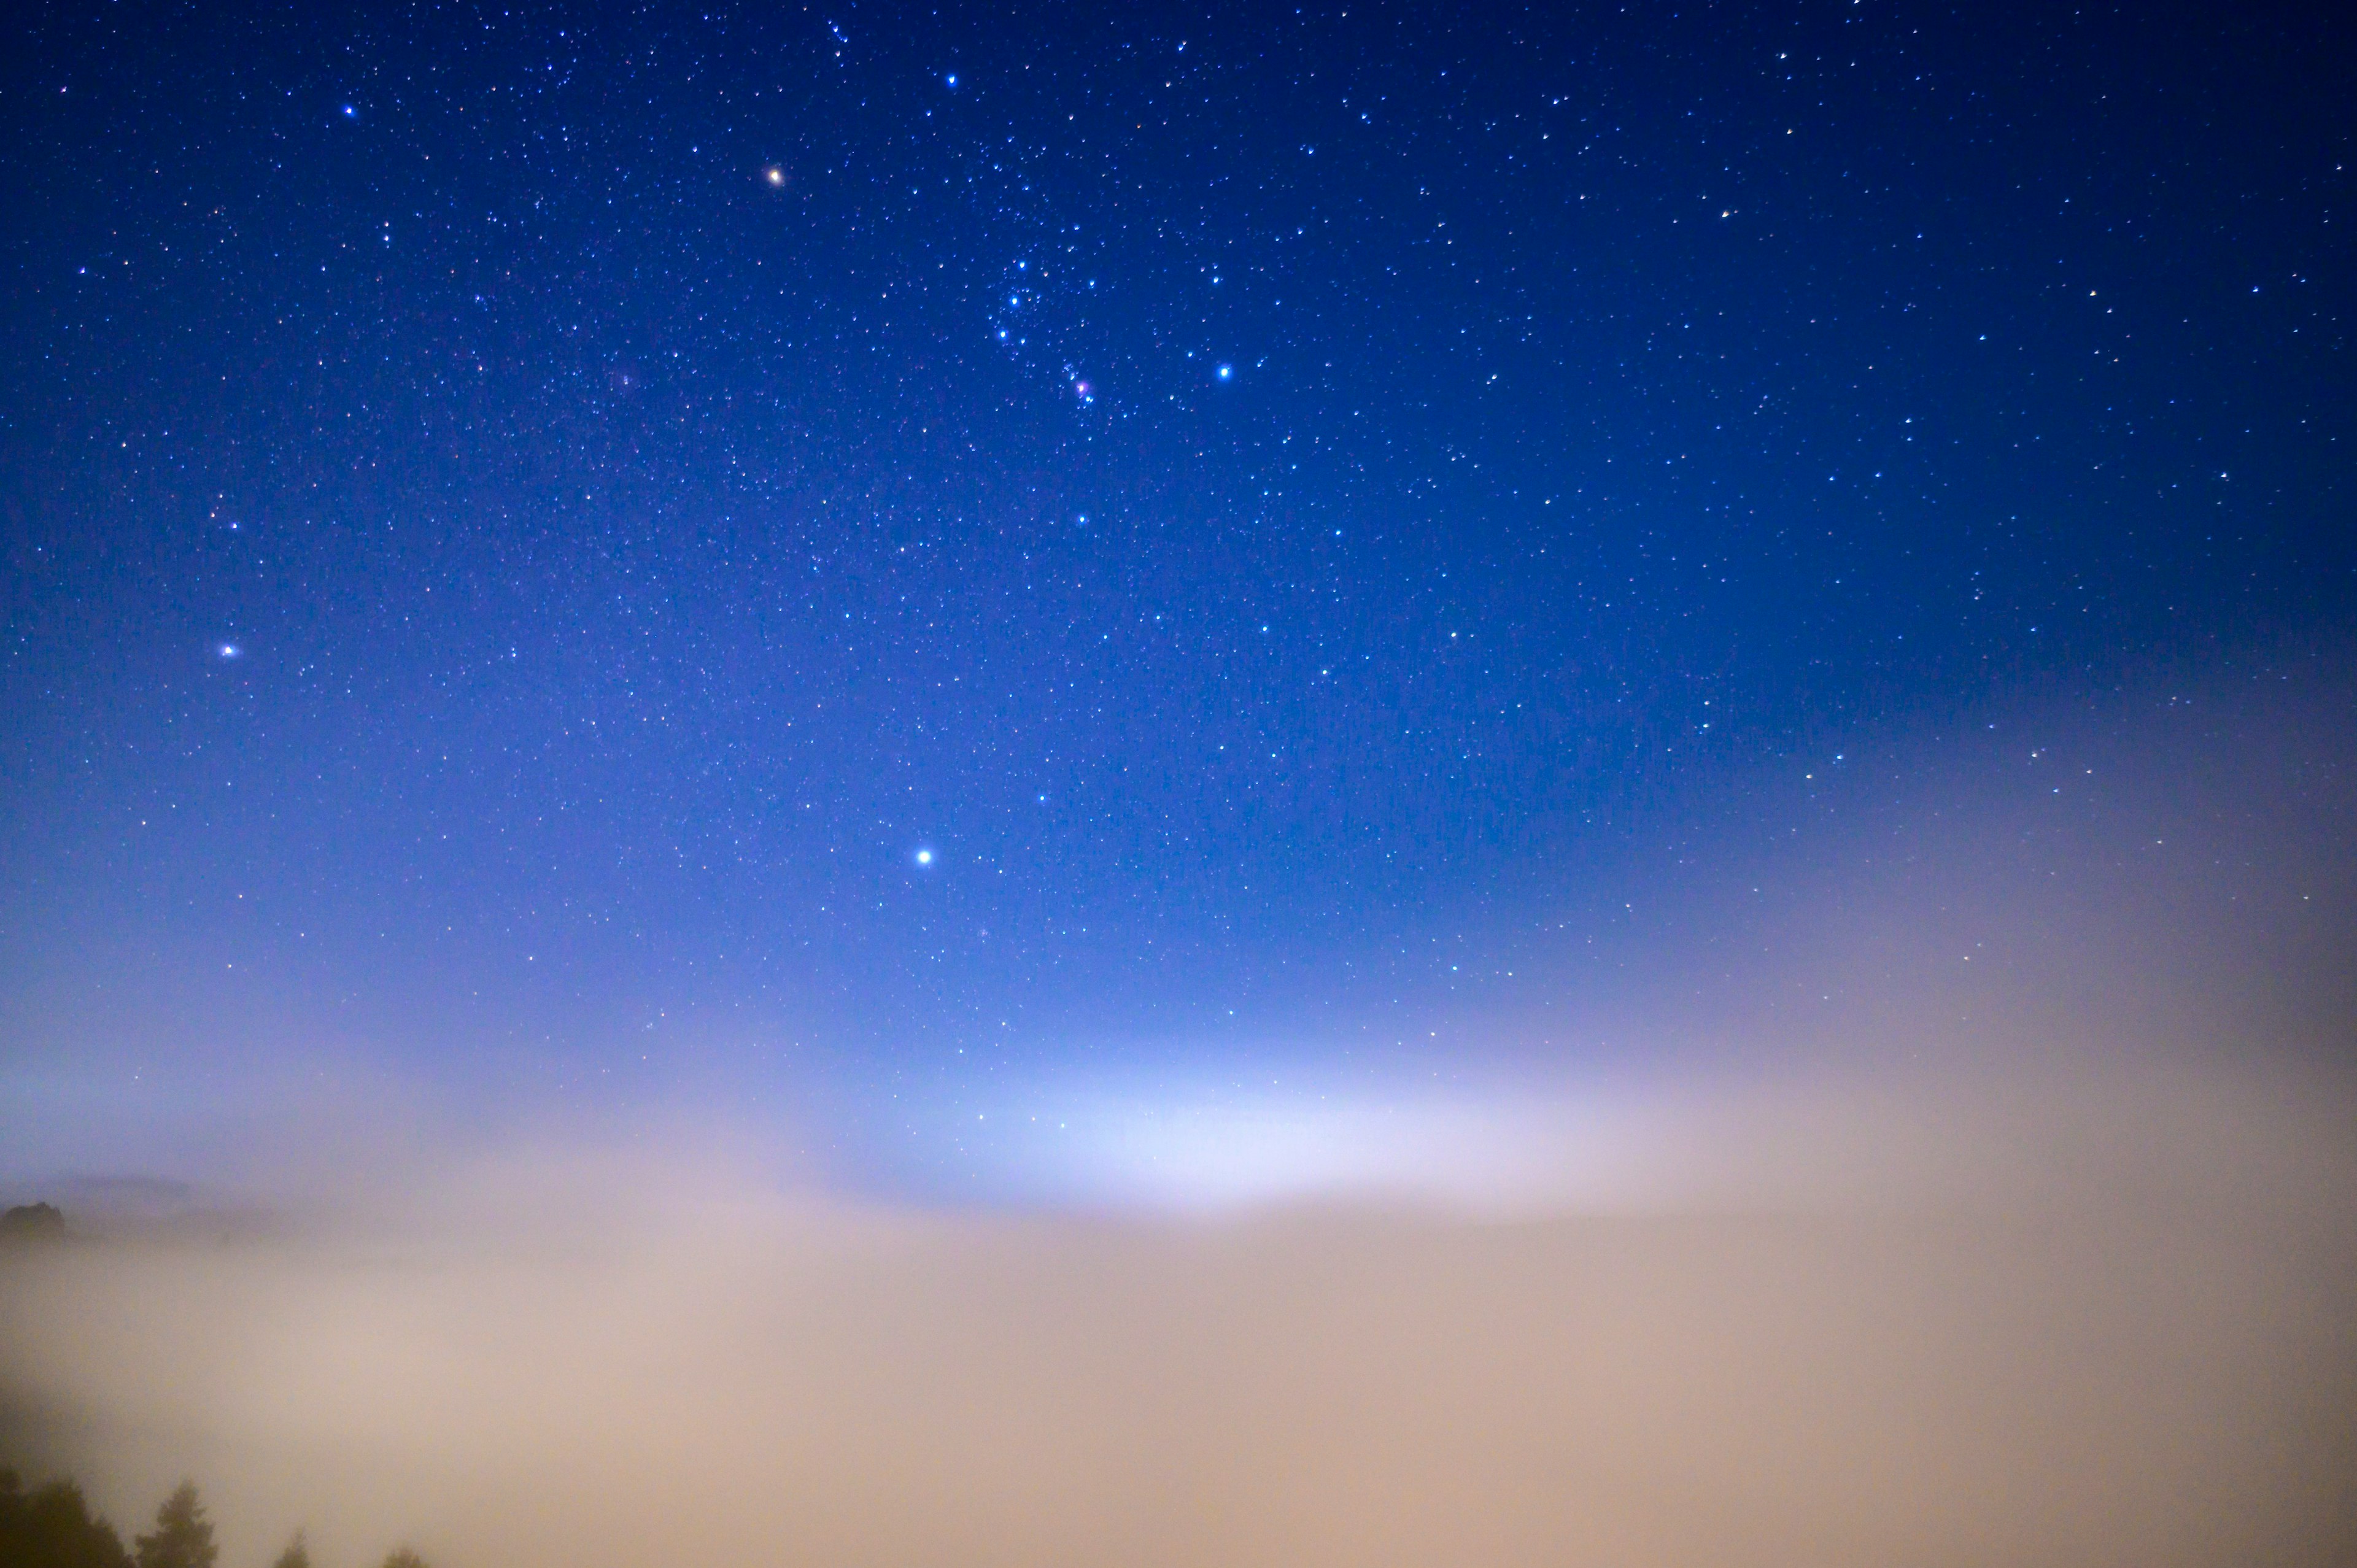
<point x="53" y="1528"/>
<point x="183" y="1537"/>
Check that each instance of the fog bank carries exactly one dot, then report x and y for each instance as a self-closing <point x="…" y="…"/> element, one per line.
<point x="2117" y="1326"/>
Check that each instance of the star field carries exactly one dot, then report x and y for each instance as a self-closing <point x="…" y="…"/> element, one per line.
<point x="903" y="544"/>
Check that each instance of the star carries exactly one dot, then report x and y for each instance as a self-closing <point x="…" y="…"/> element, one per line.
<point x="924" y="857"/>
<point x="775" y="176"/>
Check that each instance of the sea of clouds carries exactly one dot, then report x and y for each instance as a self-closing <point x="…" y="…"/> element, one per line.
<point x="2107" y="1316"/>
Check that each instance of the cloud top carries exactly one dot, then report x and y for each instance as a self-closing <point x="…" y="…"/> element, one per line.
<point x="2113" y="1325"/>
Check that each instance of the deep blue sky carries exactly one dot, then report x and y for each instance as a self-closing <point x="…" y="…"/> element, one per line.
<point x="526" y="526"/>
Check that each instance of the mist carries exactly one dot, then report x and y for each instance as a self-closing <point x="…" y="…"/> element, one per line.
<point x="2108" y="1317"/>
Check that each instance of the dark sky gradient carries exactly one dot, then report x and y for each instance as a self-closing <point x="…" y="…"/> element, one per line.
<point x="1340" y="531"/>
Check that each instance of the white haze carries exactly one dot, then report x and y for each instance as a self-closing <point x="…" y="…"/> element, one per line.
<point x="2108" y="1321"/>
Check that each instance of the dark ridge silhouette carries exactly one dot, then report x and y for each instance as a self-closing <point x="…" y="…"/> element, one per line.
<point x="33" y="1223"/>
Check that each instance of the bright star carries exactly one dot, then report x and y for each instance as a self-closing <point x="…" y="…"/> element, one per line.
<point x="1227" y="372"/>
<point x="924" y="857"/>
<point x="775" y="176"/>
<point x="228" y="650"/>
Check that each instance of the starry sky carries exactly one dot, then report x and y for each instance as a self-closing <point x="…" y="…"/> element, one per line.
<point x="884" y="566"/>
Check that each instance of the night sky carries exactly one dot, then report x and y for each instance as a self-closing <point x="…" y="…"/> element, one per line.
<point x="884" y="569"/>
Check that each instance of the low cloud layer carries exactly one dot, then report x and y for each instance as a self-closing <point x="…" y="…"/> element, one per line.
<point x="2111" y="1322"/>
